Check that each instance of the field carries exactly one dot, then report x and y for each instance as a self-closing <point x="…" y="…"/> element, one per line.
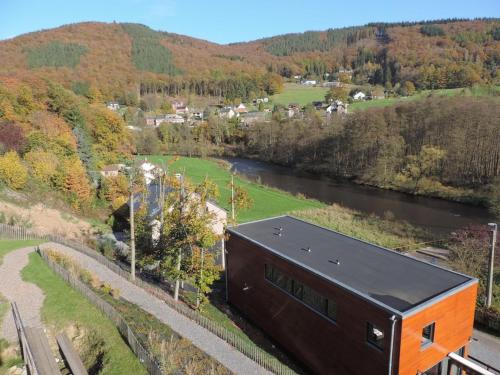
<point x="267" y="202"/>
<point x="64" y="307"/>
<point x="474" y="91"/>
<point x="295" y="93"/>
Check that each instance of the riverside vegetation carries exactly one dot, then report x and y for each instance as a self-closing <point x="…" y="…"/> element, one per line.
<point x="438" y="146"/>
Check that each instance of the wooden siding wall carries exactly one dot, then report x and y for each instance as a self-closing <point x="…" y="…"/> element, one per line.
<point x="454" y="318"/>
<point x="323" y="346"/>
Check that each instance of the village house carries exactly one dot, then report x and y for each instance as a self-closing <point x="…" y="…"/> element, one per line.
<point x="349" y="72"/>
<point x="228" y="113"/>
<point x="157" y="120"/>
<point x="332" y="84"/>
<point x="114" y="106"/>
<point x="359" y="96"/>
<point x="112" y="170"/>
<point x="253" y="117"/>
<point x="241" y="108"/>
<point x="172" y="119"/>
<point x="148" y="170"/>
<point x="337" y="106"/>
<point x="293" y="109"/>
<point x="260" y="100"/>
<point x="317" y="104"/>
<point x="180" y="107"/>
<point x="197" y="116"/>
<point x="152" y="198"/>
<point x="309" y="82"/>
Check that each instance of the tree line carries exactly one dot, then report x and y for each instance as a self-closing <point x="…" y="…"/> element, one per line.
<point x="242" y="86"/>
<point x="438" y="146"/>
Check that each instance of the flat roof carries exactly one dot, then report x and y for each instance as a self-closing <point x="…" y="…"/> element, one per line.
<point x="396" y="281"/>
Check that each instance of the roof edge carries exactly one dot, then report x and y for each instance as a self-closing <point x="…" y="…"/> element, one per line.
<point x="383" y="248"/>
<point x="323" y="276"/>
<point x="403" y="314"/>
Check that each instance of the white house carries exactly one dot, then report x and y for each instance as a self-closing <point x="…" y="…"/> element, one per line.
<point x="173" y="119"/>
<point x="112" y="170"/>
<point x="337" y="106"/>
<point x="309" y="82"/>
<point x="261" y="100"/>
<point x="359" y="96"/>
<point x="148" y="170"/>
<point x="114" y="106"/>
<point x="241" y="108"/>
<point x="227" y="112"/>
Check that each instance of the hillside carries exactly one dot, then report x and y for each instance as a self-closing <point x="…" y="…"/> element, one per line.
<point x="120" y="59"/>
<point x="53" y="142"/>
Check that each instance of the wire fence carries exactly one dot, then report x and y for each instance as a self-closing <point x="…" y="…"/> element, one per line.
<point x="241" y="344"/>
<point x="145" y="357"/>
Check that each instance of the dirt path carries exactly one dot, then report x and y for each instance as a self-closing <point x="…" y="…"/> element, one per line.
<point x="211" y="344"/>
<point x="28" y="296"/>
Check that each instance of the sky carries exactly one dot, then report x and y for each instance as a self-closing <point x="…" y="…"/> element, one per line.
<point x="225" y="21"/>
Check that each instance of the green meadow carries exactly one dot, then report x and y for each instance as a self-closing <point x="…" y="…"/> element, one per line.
<point x="267" y="202"/>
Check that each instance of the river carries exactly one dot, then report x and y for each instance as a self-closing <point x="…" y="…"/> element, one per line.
<point x="436" y="215"/>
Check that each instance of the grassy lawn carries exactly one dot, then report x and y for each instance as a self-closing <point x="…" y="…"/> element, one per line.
<point x="267" y="202"/>
<point x="9" y="245"/>
<point x="383" y="232"/>
<point x="301" y="94"/>
<point x="473" y="91"/>
<point x="64" y="307"/>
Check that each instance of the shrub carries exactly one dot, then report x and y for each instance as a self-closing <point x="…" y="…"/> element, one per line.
<point x="93" y="352"/>
<point x="115" y="293"/>
<point x="12" y="171"/>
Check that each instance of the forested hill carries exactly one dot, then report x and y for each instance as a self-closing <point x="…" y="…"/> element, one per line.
<point x="118" y="59"/>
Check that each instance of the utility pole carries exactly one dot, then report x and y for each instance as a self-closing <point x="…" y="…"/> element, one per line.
<point x="232" y="198"/>
<point x="491" y="263"/>
<point x="132" y="227"/>
<point x="179" y="256"/>
<point x="201" y="277"/>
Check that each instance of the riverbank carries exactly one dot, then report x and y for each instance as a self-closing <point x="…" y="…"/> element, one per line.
<point x="428" y="188"/>
<point x="269" y="202"/>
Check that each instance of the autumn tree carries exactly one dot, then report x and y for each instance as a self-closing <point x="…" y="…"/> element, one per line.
<point x="423" y="165"/>
<point x="115" y="189"/>
<point x="238" y="200"/>
<point x="336" y="93"/>
<point x="43" y="165"/>
<point x="11" y="137"/>
<point x="186" y="235"/>
<point x="13" y="173"/>
<point x="76" y="182"/>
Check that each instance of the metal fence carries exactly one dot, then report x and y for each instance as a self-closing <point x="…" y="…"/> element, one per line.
<point x="23" y="341"/>
<point x="243" y="345"/>
<point x="146" y="358"/>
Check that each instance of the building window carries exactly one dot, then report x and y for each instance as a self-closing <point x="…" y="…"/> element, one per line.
<point x="375" y="336"/>
<point x="331" y="309"/>
<point x="302" y="292"/>
<point x="428" y="335"/>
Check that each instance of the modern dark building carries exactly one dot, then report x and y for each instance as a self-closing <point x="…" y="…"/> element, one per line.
<point x="344" y="306"/>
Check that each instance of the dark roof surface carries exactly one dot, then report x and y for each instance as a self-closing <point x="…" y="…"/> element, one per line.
<point x="392" y="279"/>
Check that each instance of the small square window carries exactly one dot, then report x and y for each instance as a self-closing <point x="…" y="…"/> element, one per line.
<point x="375" y="336"/>
<point x="428" y="334"/>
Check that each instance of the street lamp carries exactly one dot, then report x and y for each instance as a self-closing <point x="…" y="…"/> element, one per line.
<point x="491" y="263"/>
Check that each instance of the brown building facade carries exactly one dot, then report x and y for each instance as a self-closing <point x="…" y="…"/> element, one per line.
<point x="333" y="302"/>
